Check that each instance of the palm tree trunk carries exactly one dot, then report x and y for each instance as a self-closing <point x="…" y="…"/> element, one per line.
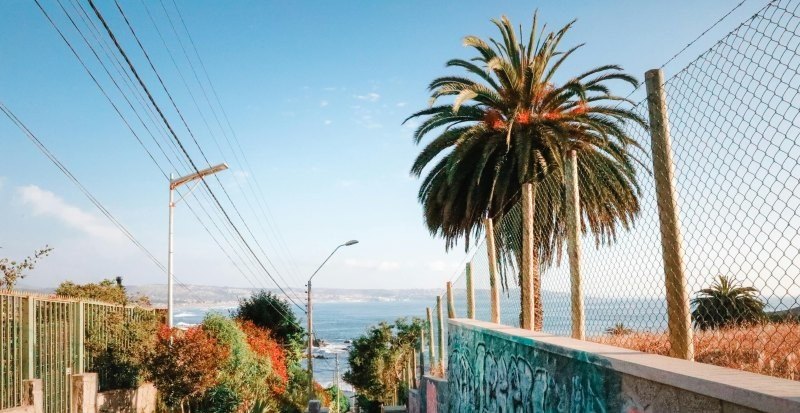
<point x="529" y="264"/>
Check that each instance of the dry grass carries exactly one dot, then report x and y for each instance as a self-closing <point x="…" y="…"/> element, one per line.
<point x="772" y="349"/>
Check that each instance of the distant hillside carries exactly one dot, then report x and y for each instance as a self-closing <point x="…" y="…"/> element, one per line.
<point x="214" y="296"/>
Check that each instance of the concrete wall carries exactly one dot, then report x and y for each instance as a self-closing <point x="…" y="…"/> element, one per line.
<point x="433" y="395"/>
<point x="413" y="401"/>
<point x="32" y="401"/>
<point x="141" y="400"/>
<point x="494" y="368"/>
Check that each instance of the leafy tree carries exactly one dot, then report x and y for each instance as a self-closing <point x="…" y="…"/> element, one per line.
<point x="344" y="402"/>
<point x="268" y="311"/>
<point x="249" y="376"/>
<point x="13" y="271"/>
<point x="106" y="290"/>
<point x="726" y="302"/>
<point x="185" y="364"/>
<point x="118" y="346"/>
<point x="511" y="124"/>
<point x="377" y="361"/>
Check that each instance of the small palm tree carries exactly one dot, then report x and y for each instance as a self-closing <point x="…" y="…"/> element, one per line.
<point x="726" y="302"/>
<point x="619" y="329"/>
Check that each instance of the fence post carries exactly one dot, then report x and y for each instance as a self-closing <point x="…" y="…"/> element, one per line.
<point x="451" y="305"/>
<point x="527" y="299"/>
<point x="440" y="329"/>
<point x="28" y="337"/>
<point x="414" y="369"/>
<point x="470" y="293"/>
<point x="431" y="345"/>
<point x="574" y="245"/>
<point x="494" y="281"/>
<point x="679" y="320"/>
<point x="80" y="336"/>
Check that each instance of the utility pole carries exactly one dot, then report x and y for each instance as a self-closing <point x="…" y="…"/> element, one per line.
<point x="338" y="390"/>
<point x="309" y="314"/>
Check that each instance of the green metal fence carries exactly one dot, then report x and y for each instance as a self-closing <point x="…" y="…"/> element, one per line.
<point x="45" y="337"/>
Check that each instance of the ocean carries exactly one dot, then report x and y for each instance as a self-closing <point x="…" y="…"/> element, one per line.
<point x="336" y="323"/>
<point x="339" y="322"/>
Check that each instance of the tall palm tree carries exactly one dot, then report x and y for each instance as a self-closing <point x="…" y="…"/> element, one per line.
<point x="510" y="124"/>
<point x="726" y="302"/>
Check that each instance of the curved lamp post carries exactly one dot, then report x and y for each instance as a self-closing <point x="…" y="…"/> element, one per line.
<point x="310" y="320"/>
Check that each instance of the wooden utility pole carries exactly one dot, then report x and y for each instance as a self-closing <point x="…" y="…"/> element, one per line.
<point x="679" y="317"/>
<point x="451" y="305"/>
<point x="574" y="245"/>
<point x="470" y="293"/>
<point x="494" y="278"/>
<point x="528" y="245"/>
<point x="440" y="330"/>
<point x="431" y="345"/>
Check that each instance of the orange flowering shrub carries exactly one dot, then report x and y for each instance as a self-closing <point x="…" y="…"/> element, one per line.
<point x="184" y="364"/>
<point x="264" y="345"/>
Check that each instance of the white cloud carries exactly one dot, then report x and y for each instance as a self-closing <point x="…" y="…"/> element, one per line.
<point x="382" y="266"/>
<point x="323" y="103"/>
<point x="48" y="204"/>
<point x="327" y="122"/>
<point x="368" y="122"/>
<point x="369" y="97"/>
<point x="401" y="104"/>
<point x="442" y="266"/>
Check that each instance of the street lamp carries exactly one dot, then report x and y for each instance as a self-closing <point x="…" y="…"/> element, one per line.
<point x="310" y="324"/>
<point x="174" y="183"/>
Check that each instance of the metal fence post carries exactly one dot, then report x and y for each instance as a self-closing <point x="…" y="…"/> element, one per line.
<point x="494" y="281"/>
<point x="440" y="329"/>
<point x="28" y="337"/>
<point x="451" y="305"/>
<point x="470" y="293"/>
<point x="431" y="345"/>
<point x="527" y="299"/>
<point x="678" y="314"/>
<point x="574" y="245"/>
<point x="80" y="337"/>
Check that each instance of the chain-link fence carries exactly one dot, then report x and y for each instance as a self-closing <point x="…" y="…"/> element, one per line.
<point x="734" y="126"/>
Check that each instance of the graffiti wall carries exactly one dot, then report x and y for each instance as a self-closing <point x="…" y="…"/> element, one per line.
<point x="490" y="373"/>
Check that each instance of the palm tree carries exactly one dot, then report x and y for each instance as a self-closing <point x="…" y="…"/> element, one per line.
<point x="510" y="125"/>
<point x="726" y="302"/>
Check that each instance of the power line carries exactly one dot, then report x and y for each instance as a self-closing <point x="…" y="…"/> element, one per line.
<point x="122" y="117"/>
<point x="66" y="172"/>
<point x="122" y="52"/>
<point x="256" y="189"/>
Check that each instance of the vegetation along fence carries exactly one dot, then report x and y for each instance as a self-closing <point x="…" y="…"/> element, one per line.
<point x="707" y="267"/>
<point x="47" y="337"/>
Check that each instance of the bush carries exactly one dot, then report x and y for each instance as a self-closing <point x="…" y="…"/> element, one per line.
<point x="220" y="399"/>
<point x="270" y="312"/>
<point x="117" y="346"/>
<point x="184" y="364"/>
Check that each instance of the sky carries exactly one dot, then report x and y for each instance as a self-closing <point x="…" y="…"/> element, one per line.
<point x="315" y="93"/>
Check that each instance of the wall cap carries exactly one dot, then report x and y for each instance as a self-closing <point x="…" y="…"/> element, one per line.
<point x="735" y="386"/>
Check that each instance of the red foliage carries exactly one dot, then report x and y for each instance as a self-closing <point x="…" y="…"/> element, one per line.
<point x="524" y="117"/>
<point x="264" y="345"/>
<point x="494" y="119"/>
<point x="184" y="363"/>
<point x="580" y="108"/>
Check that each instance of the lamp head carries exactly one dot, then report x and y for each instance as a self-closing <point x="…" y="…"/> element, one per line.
<point x="351" y="242"/>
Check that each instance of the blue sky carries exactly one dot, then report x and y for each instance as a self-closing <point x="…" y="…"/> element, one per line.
<point x="316" y="93"/>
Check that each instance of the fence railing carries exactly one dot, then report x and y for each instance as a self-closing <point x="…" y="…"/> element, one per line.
<point x="718" y="195"/>
<point x="45" y="337"/>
